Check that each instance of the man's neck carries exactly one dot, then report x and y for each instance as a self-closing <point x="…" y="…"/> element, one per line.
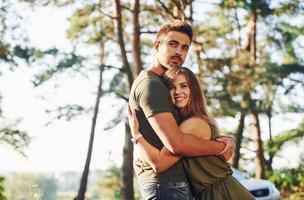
<point x="157" y="68"/>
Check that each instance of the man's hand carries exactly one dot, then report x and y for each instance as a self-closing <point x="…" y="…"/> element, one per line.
<point x="227" y="152"/>
<point x="138" y="166"/>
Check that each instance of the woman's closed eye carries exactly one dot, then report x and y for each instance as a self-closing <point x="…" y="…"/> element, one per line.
<point x="184" y="85"/>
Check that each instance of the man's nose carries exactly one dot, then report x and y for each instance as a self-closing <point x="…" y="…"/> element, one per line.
<point x="178" y="50"/>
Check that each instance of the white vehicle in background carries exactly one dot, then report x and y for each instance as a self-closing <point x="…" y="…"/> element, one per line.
<point x="261" y="189"/>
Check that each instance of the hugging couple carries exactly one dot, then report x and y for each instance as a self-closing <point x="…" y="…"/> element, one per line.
<point x="181" y="154"/>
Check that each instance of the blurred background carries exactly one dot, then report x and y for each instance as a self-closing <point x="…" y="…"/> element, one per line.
<point x="67" y="68"/>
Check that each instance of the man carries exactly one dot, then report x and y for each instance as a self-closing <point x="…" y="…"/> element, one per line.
<point x="158" y="118"/>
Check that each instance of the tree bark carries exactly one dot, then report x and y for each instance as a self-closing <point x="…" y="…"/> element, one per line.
<point x="136" y="36"/>
<point x="260" y="166"/>
<point x="127" y="191"/>
<point x="85" y="174"/>
<point x="119" y="31"/>
<point x="251" y="38"/>
<point x="269" y="116"/>
<point x="268" y="162"/>
<point x="238" y="141"/>
<point x="251" y="47"/>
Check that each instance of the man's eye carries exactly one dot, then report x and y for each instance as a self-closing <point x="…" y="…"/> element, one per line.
<point x="172" y="44"/>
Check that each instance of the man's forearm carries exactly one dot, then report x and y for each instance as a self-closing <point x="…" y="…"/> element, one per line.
<point x="192" y="146"/>
<point x="179" y="142"/>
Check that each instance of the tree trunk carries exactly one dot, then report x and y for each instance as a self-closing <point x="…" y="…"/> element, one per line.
<point x="260" y="169"/>
<point x="269" y="116"/>
<point x="251" y="47"/>
<point x="199" y="61"/>
<point x="136" y="36"/>
<point x="127" y="191"/>
<point x="119" y="31"/>
<point x="251" y="38"/>
<point x="238" y="141"/>
<point x="85" y="174"/>
<point x="268" y="162"/>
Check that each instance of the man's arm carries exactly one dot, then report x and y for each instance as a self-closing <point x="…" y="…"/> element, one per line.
<point x="177" y="142"/>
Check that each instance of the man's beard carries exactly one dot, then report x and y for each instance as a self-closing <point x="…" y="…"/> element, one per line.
<point x="162" y="66"/>
<point x="176" y="61"/>
<point x="169" y="65"/>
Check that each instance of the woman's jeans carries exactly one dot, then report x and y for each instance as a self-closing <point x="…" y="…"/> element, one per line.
<point x="166" y="191"/>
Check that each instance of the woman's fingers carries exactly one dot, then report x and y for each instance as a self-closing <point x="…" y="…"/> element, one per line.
<point x="133" y="122"/>
<point x="134" y="115"/>
<point x="129" y="111"/>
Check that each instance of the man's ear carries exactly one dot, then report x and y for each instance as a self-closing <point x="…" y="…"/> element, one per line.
<point x="156" y="44"/>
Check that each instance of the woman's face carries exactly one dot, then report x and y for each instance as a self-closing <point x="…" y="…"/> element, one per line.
<point x="179" y="91"/>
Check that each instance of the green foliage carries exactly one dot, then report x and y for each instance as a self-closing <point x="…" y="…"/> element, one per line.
<point x="109" y="185"/>
<point x="15" y="138"/>
<point x="295" y="109"/>
<point x="292" y="8"/>
<point x="48" y="186"/>
<point x="27" y="53"/>
<point x="4" y="52"/>
<point x="89" y="21"/>
<point x="68" y="112"/>
<point x="67" y="61"/>
<point x="31" y="187"/>
<point x="290" y="32"/>
<point x="118" y="86"/>
<point x="21" y="186"/>
<point x="288" y="180"/>
<point x="2" y="196"/>
<point x="275" y="145"/>
<point x="236" y="81"/>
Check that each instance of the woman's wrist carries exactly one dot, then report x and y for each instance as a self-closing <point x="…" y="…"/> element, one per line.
<point x="136" y="137"/>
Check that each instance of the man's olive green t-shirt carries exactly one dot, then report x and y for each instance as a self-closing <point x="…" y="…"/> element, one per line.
<point x="150" y="96"/>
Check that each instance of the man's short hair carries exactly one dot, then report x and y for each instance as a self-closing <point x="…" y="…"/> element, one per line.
<point x="176" y="25"/>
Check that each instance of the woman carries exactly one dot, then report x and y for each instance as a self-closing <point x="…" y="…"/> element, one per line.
<point x="209" y="177"/>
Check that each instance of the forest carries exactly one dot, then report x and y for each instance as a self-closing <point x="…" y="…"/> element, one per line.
<point x="247" y="54"/>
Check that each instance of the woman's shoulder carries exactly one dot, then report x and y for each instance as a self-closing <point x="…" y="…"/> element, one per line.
<point x="196" y="121"/>
<point x="196" y="126"/>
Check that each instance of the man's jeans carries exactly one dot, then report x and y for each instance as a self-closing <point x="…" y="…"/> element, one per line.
<point x="166" y="191"/>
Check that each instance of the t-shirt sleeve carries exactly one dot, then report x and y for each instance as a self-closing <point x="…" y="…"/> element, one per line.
<point x="153" y="98"/>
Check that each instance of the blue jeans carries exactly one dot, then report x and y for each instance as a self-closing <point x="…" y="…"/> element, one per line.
<point x="166" y="191"/>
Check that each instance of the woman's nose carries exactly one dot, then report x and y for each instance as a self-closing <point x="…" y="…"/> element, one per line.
<point x="177" y="91"/>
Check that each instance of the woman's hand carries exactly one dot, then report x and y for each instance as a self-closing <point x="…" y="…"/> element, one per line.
<point x="133" y="122"/>
<point x="228" y="151"/>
